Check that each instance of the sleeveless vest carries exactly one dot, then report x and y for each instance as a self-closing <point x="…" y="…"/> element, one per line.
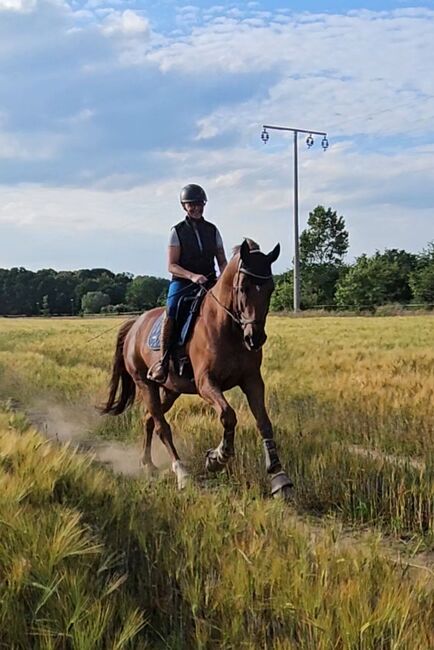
<point x="192" y="258"/>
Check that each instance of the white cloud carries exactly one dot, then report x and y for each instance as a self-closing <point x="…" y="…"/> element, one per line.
<point x="126" y="23"/>
<point x="83" y="115"/>
<point x="29" y="147"/>
<point x="338" y="70"/>
<point x="250" y="195"/>
<point x="20" y="6"/>
<point x="365" y="78"/>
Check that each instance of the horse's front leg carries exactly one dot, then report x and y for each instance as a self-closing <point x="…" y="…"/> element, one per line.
<point x="217" y="459"/>
<point x="253" y="387"/>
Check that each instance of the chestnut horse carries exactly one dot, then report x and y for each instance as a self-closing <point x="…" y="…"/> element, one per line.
<point x="225" y="350"/>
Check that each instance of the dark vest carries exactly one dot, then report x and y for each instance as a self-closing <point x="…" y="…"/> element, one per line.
<point x="192" y="258"/>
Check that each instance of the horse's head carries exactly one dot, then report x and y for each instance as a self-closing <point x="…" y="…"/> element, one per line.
<point x="253" y="286"/>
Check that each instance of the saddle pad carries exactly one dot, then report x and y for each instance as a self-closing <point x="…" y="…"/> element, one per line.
<point x="187" y="312"/>
<point x="154" y="342"/>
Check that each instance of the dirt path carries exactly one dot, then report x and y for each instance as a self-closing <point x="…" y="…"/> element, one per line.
<point x="377" y="454"/>
<point x="68" y="424"/>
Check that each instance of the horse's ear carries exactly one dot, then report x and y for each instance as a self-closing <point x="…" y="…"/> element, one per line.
<point x="274" y="254"/>
<point x="244" y="252"/>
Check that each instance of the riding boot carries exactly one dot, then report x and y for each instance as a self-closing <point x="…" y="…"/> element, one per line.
<point x="159" y="370"/>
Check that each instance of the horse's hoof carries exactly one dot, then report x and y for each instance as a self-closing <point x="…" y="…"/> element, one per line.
<point x="281" y="486"/>
<point x="182" y="476"/>
<point x="212" y="462"/>
<point x="285" y="493"/>
<point x="183" y="481"/>
<point x="149" y="469"/>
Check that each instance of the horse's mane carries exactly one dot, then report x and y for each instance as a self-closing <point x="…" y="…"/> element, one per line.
<point x="253" y="246"/>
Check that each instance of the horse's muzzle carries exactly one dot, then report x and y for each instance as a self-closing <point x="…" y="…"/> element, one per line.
<point x="254" y="340"/>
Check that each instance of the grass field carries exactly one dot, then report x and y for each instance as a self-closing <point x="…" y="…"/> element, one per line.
<point x="92" y="559"/>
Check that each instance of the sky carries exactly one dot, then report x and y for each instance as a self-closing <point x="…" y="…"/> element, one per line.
<point x="108" y="108"/>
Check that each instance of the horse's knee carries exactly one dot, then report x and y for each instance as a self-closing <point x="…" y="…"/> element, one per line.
<point x="149" y="424"/>
<point x="163" y="431"/>
<point x="228" y="419"/>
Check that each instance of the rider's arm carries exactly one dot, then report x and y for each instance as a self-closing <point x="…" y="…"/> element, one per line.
<point x="220" y="255"/>
<point x="221" y="259"/>
<point x="174" y="254"/>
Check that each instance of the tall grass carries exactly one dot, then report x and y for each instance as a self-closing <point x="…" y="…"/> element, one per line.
<point x="91" y="561"/>
<point x="88" y="560"/>
<point x="330" y="382"/>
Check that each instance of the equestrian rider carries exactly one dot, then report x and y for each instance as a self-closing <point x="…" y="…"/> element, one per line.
<point x="193" y="245"/>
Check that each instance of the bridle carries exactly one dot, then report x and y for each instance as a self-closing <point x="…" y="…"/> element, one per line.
<point x="238" y="317"/>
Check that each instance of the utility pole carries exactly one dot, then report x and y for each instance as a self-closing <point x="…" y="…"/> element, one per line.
<point x="265" y="136"/>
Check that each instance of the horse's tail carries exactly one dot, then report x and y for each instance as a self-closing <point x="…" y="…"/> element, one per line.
<point x="116" y="405"/>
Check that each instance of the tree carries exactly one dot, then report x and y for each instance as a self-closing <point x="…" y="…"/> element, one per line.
<point x="282" y="298"/>
<point x="422" y="278"/>
<point x="93" y="301"/>
<point x="372" y="281"/>
<point x="16" y="292"/>
<point x="325" y="240"/>
<point x="318" y="286"/>
<point x="45" y="310"/>
<point x="144" y="291"/>
<point x="323" y="246"/>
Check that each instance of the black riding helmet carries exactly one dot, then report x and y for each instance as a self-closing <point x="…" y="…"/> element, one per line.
<point x="191" y="193"/>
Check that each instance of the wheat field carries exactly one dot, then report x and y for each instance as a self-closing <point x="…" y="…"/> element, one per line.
<point x="95" y="555"/>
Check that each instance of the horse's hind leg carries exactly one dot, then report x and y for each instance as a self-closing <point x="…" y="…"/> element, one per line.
<point x="146" y="460"/>
<point x="156" y="408"/>
<point x="167" y="399"/>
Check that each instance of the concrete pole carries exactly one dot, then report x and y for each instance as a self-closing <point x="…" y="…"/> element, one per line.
<point x="324" y="143"/>
<point x="296" y="234"/>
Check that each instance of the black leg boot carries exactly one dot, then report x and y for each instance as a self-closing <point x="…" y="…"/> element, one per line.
<point x="159" y="370"/>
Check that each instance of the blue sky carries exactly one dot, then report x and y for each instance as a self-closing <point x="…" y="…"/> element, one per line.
<point x="108" y="108"/>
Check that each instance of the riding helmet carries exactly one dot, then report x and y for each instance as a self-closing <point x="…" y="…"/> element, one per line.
<point x="191" y="193"/>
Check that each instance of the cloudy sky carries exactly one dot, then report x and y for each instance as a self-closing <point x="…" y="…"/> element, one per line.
<point x="107" y="108"/>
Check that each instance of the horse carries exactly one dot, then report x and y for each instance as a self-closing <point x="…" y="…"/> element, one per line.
<point x="224" y="349"/>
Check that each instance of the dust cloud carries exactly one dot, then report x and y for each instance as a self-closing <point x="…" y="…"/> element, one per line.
<point x="73" y="424"/>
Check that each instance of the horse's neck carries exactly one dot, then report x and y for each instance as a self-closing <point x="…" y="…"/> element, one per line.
<point x="219" y="305"/>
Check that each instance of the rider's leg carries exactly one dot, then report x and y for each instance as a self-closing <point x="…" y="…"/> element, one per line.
<point x="159" y="370"/>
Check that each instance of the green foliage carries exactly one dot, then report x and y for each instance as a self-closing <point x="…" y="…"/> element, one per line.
<point x="325" y="240"/>
<point x="282" y="298"/>
<point x="318" y="284"/>
<point x="116" y="309"/>
<point x="45" y="308"/>
<point x="49" y="292"/>
<point x="376" y="280"/>
<point x="422" y="278"/>
<point x="93" y="301"/>
<point x="145" y="292"/>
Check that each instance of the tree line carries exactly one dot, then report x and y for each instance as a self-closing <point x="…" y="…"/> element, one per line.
<point x="48" y="292"/>
<point x="327" y="281"/>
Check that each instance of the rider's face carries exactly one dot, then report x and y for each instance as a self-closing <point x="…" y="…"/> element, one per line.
<point x="194" y="209"/>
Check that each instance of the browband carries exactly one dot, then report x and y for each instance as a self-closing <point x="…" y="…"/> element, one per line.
<point x="255" y="275"/>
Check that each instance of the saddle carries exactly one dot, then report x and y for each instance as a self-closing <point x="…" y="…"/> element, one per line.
<point x="186" y="315"/>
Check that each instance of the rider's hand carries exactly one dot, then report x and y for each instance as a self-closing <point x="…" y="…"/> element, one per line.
<point x="199" y="279"/>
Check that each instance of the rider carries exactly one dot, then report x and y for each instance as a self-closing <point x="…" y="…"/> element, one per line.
<point x="193" y="245"/>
